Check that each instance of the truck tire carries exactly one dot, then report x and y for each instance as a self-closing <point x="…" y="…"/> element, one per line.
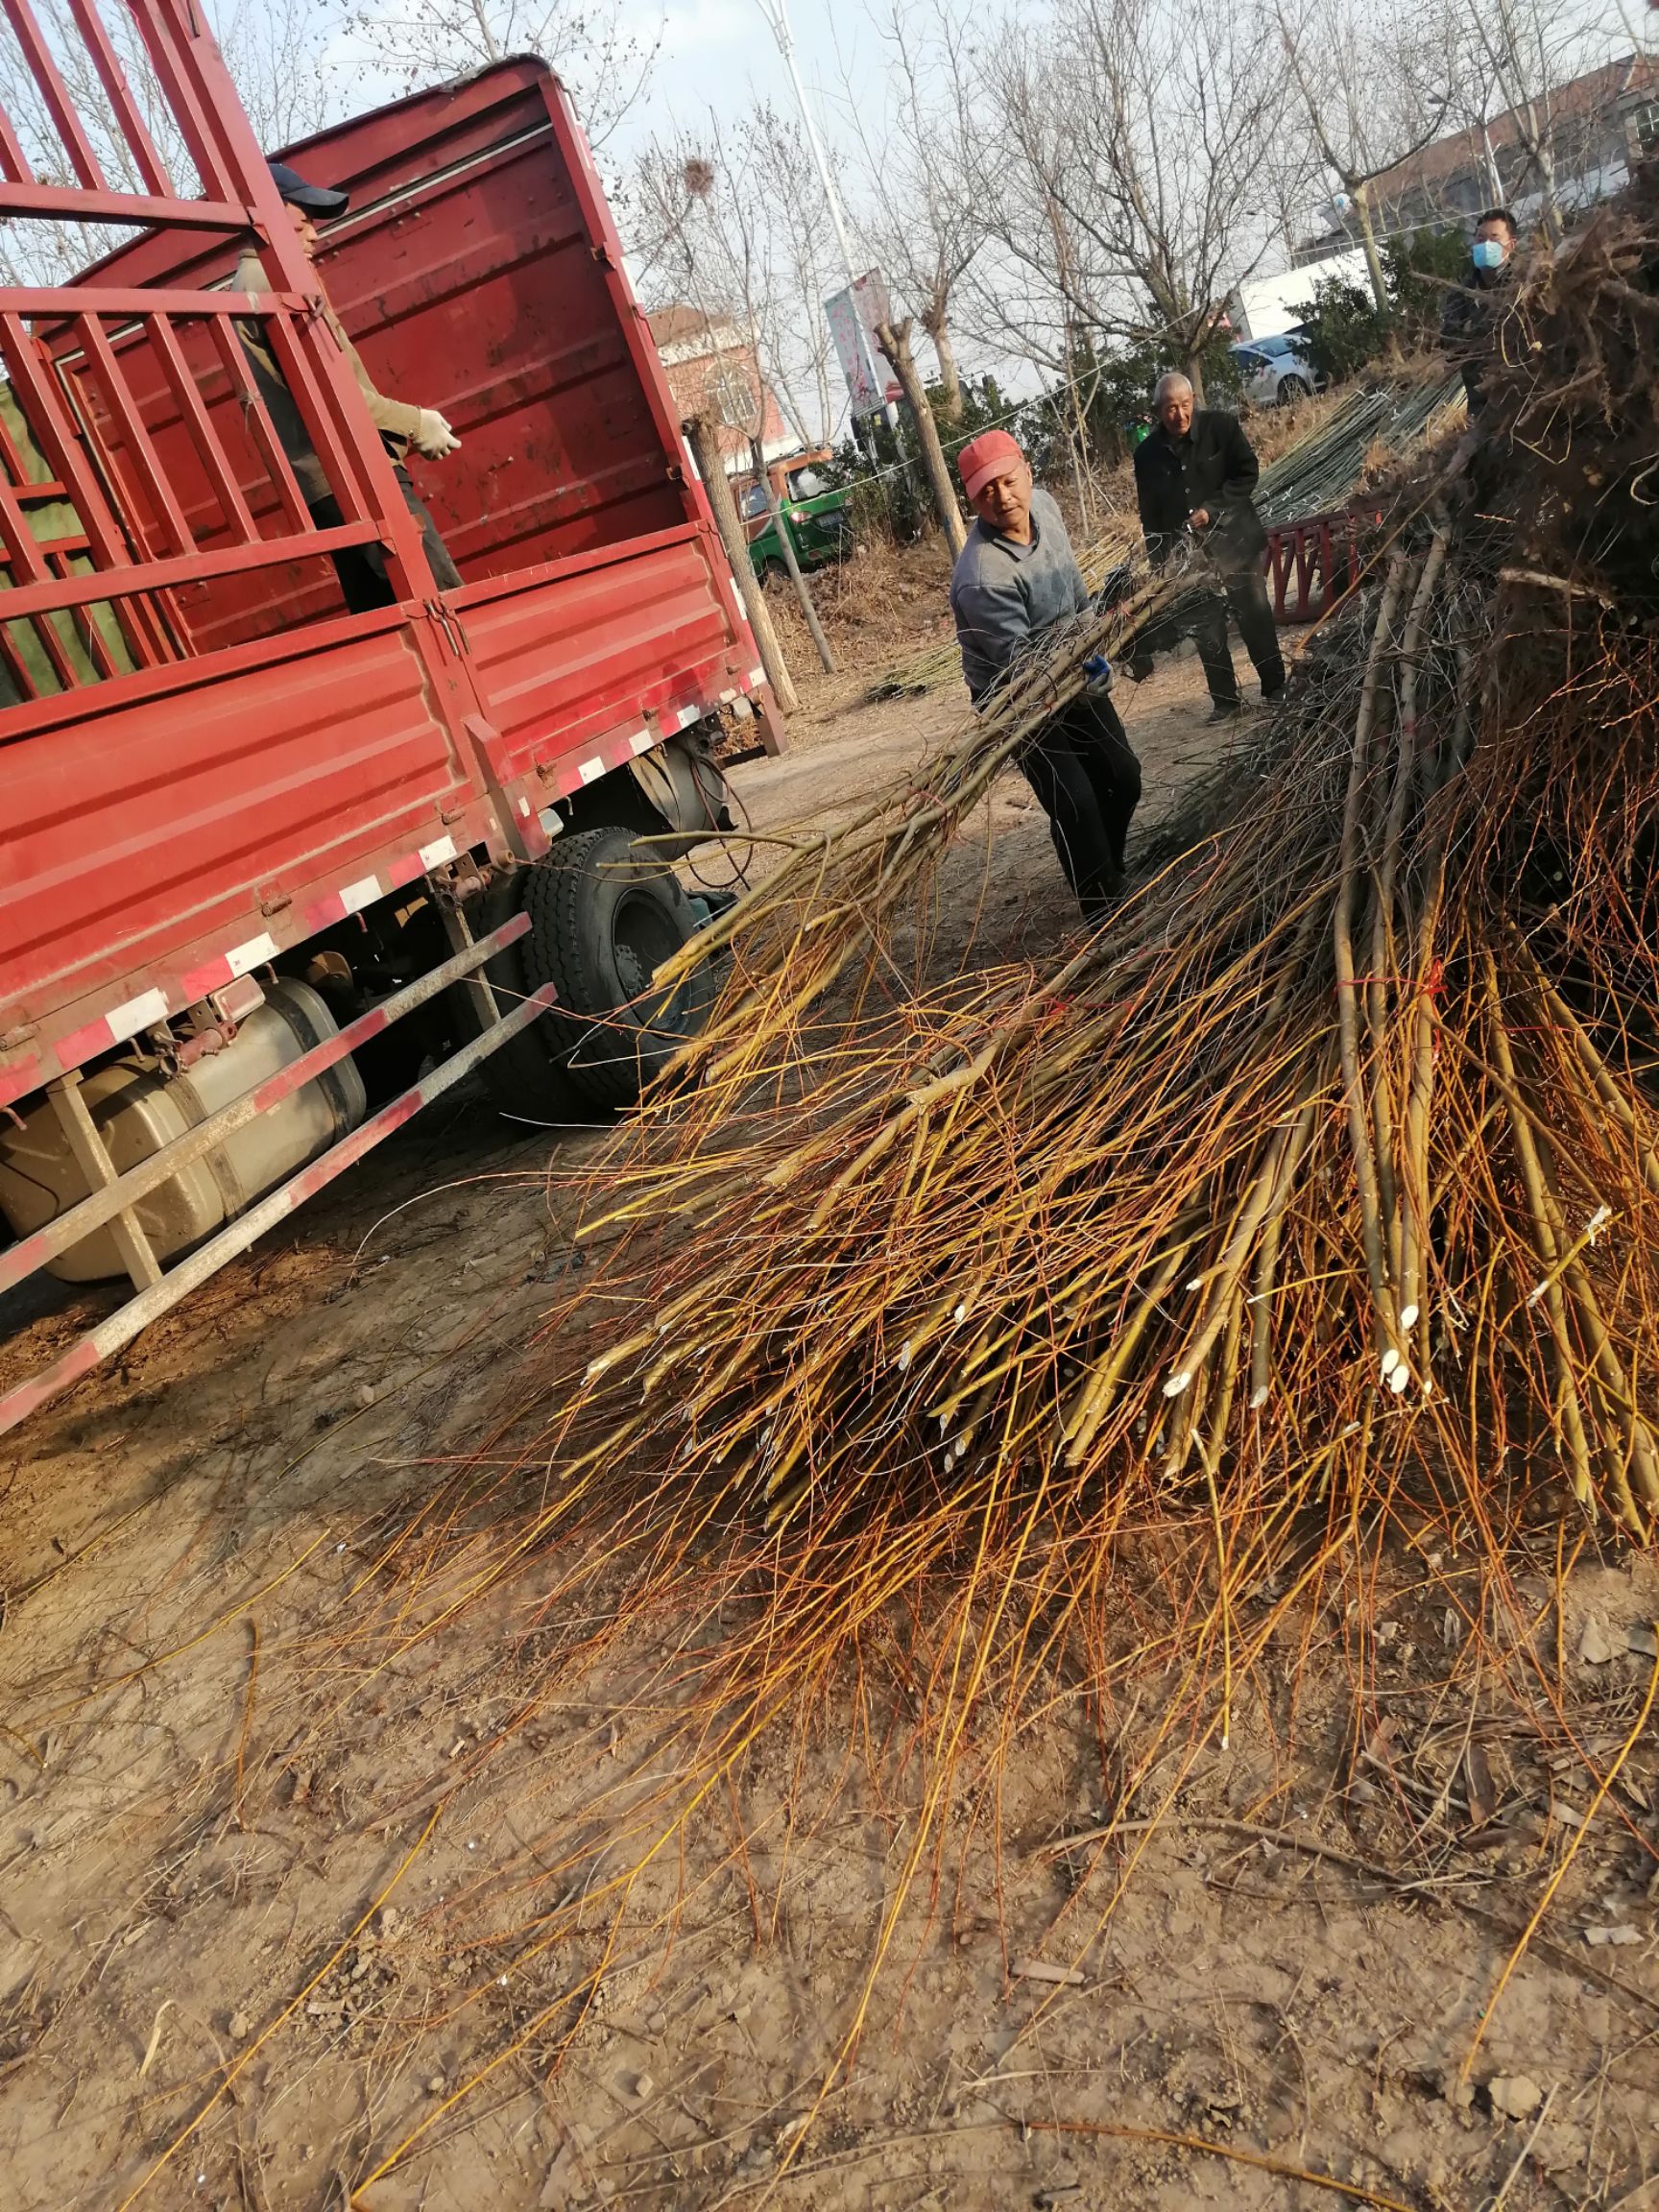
<point x="525" y="1077"/>
<point x="605" y="912"/>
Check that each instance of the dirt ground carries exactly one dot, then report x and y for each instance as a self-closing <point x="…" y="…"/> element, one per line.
<point x="272" y="1834"/>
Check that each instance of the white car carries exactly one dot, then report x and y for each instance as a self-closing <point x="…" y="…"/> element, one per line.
<point x="1276" y="371"/>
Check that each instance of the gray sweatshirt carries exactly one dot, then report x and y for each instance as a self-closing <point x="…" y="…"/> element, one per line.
<point x="1006" y="594"/>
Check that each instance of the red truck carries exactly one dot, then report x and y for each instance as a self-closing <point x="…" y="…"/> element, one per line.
<point x="262" y="862"/>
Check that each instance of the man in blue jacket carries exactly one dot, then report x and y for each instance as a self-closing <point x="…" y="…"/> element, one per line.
<point x="1195" y="479"/>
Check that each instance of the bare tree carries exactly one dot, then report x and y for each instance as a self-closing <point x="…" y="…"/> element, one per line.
<point x="803" y="266"/>
<point x="710" y="245"/>
<point x="277" y="52"/>
<point x="894" y="339"/>
<point x="923" y="224"/>
<point x="1511" y="59"/>
<point x="1370" y="82"/>
<point x="1122" y="167"/>
<point x="594" y="45"/>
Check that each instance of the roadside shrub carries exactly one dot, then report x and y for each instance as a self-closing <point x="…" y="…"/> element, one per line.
<point x="1342" y="328"/>
<point x="1418" y="266"/>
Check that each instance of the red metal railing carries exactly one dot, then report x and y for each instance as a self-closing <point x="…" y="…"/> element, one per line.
<point x="85" y="362"/>
<point x="1310" y="564"/>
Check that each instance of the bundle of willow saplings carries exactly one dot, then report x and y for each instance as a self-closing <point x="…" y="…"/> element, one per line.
<point x="1333" y="1144"/>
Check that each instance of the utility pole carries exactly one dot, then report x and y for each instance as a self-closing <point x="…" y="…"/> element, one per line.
<point x="776" y="15"/>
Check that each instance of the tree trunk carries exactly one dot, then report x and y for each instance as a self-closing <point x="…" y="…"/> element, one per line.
<point x="936" y="323"/>
<point x="894" y="340"/>
<point x="712" y="467"/>
<point x="786" y="545"/>
<point x="1542" y="155"/>
<point x="1192" y="369"/>
<point x="1361" y="195"/>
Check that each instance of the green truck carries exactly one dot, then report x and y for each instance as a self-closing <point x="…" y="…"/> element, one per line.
<point x="816" y="514"/>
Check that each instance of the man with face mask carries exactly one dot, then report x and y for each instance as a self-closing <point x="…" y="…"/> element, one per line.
<point x="1469" y="320"/>
<point x="1015" y="589"/>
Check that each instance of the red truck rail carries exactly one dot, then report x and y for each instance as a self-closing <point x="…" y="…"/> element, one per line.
<point x="223" y="791"/>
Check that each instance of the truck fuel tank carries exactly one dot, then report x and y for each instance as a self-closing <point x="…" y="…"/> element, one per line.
<point x="139" y="1111"/>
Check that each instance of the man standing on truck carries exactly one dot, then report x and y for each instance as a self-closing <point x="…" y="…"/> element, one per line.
<point x="1015" y="586"/>
<point x="360" y="568"/>
<point x="1195" y="478"/>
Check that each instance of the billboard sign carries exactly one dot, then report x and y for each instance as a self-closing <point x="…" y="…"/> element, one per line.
<point x="854" y="313"/>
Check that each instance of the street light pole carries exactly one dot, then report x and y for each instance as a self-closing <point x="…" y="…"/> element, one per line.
<point x="776" y="15"/>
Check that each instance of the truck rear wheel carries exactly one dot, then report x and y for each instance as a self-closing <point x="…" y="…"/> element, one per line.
<point x="605" y="913"/>
<point x="525" y="1077"/>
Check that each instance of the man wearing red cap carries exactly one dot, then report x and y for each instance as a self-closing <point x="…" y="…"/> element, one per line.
<point x="1016" y="585"/>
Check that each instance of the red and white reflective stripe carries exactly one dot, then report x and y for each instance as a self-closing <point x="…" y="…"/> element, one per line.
<point x="112" y="1028"/>
<point x="173" y="995"/>
<point x="618" y="747"/>
<point x="20" y="1078"/>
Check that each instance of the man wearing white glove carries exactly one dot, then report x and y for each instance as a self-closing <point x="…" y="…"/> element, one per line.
<point x="360" y="568"/>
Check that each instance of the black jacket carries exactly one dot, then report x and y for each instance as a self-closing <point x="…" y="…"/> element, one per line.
<point x="1215" y="465"/>
<point x="1469" y="322"/>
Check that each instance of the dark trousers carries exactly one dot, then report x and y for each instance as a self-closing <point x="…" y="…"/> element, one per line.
<point x="1084" y="770"/>
<point x="1246" y="590"/>
<point x="362" y="568"/>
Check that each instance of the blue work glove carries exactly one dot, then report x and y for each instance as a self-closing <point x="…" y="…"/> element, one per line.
<point x="1098" y="673"/>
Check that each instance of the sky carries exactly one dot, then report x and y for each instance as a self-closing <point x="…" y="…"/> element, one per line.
<point x="721" y="53"/>
<point x="715" y="54"/>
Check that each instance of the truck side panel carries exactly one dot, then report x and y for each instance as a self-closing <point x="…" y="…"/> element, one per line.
<point x="280" y="756"/>
<point x="470" y="277"/>
<point x="555" y="651"/>
<point x="172" y="808"/>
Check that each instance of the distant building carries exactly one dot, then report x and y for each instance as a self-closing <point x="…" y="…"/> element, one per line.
<point x="1599" y="125"/>
<point x="713" y="370"/>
